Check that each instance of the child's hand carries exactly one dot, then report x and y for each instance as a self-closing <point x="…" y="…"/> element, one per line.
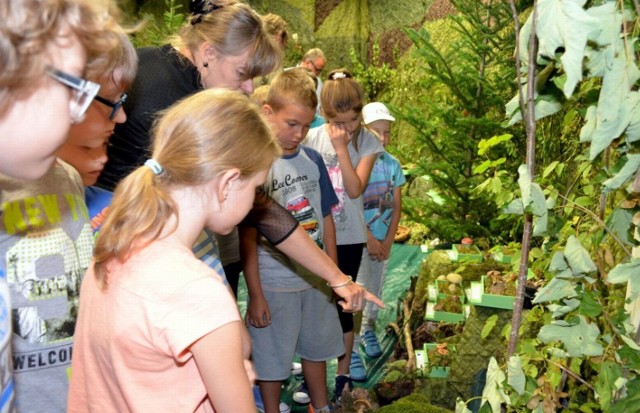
<point x="376" y="249"/>
<point x="339" y="136"/>
<point x="258" y="313"/>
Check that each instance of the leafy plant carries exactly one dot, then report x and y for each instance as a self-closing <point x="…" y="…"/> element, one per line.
<point x="156" y="34"/>
<point x="374" y="77"/>
<point x="468" y="80"/>
<point x="578" y="349"/>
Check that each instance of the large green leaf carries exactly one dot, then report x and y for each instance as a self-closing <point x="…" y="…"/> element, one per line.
<point x="578" y="257"/>
<point x="630" y="272"/>
<point x="629" y="170"/>
<point x="564" y="24"/>
<point x="579" y="339"/>
<point x="617" y="104"/>
<point x="493" y="389"/>
<point x="555" y="290"/>
<point x="605" y="383"/>
<point x="601" y="55"/>
<point x="588" y="305"/>
<point x="619" y="222"/>
<point x="544" y="105"/>
<point x="560" y="310"/>
<point x="515" y="374"/>
<point x="631" y="401"/>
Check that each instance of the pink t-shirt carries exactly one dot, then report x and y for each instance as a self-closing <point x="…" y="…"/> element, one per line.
<point x="131" y="350"/>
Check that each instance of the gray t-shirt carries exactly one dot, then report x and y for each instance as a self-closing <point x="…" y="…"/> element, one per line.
<point x="45" y="248"/>
<point x="301" y="185"/>
<point x="348" y="215"/>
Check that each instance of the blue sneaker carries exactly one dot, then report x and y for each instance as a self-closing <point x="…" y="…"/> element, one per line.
<point x="356" y="368"/>
<point x="370" y="343"/>
<point x="284" y="407"/>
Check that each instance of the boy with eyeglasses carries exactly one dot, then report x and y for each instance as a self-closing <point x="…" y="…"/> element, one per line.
<point x="45" y="238"/>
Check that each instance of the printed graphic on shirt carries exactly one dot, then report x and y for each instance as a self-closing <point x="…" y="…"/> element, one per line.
<point x="44" y="268"/>
<point x="335" y="174"/>
<point x="306" y="215"/>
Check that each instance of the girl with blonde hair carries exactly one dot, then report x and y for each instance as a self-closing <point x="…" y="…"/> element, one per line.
<point x="158" y="330"/>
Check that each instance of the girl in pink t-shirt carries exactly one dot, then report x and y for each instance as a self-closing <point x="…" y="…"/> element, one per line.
<point x="157" y="328"/>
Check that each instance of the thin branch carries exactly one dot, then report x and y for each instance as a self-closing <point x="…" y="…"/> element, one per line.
<point x="601" y="223"/>
<point x="572" y="374"/>
<point x="528" y="116"/>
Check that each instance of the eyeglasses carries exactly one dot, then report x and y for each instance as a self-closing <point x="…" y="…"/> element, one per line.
<point x="83" y="92"/>
<point x="316" y="69"/>
<point x="114" y="105"/>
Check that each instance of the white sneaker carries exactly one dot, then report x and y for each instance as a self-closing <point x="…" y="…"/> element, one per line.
<point x="284" y="408"/>
<point x="296" y="368"/>
<point x="301" y="395"/>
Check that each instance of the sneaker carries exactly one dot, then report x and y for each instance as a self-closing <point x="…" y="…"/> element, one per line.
<point x="296" y="368"/>
<point x="356" y="368"/>
<point x="370" y="343"/>
<point x="341" y="382"/>
<point x="301" y="395"/>
<point x="284" y="407"/>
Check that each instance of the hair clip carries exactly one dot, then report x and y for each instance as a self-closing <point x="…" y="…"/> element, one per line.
<point x="155" y="167"/>
<point x="200" y="8"/>
<point x="340" y="75"/>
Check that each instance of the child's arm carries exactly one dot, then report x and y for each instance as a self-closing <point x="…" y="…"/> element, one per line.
<point x="258" y="314"/>
<point x="329" y="238"/>
<point x="222" y="357"/>
<point x="354" y="179"/>
<point x="395" y="220"/>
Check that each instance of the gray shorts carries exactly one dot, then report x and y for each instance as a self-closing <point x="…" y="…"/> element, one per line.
<point x="304" y="323"/>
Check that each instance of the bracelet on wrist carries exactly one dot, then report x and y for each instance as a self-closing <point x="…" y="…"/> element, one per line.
<point x="342" y="284"/>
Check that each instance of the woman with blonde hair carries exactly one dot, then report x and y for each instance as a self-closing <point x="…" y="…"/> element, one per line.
<point x="223" y="45"/>
<point x="158" y="330"/>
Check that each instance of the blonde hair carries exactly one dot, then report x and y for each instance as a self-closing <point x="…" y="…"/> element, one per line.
<point x="259" y="95"/>
<point x="122" y="59"/>
<point x="28" y="28"/>
<point x="276" y="27"/>
<point x="195" y="141"/>
<point x="341" y="93"/>
<point x="292" y="86"/>
<point x="231" y="28"/>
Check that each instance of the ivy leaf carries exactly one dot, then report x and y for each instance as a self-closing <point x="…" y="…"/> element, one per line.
<point x="516" y="378"/>
<point x="544" y="105"/>
<point x="578" y="339"/>
<point x="605" y="383"/>
<point x="578" y="257"/>
<point x="565" y="24"/>
<point x="601" y="56"/>
<point x="557" y="289"/>
<point x="631" y="402"/>
<point x="558" y="263"/>
<point x="629" y="169"/>
<point x="493" y="391"/>
<point x="619" y="222"/>
<point x="622" y="273"/>
<point x="560" y="310"/>
<point x="589" y="306"/>
<point x="514" y="207"/>
<point x="488" y="326"/>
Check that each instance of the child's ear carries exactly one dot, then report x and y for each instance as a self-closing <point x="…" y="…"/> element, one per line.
<point x="267" y="110"/>
<point x="225" y="184"/>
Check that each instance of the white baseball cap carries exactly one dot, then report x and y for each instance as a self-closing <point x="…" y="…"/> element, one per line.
<point x="374" y="111"/>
